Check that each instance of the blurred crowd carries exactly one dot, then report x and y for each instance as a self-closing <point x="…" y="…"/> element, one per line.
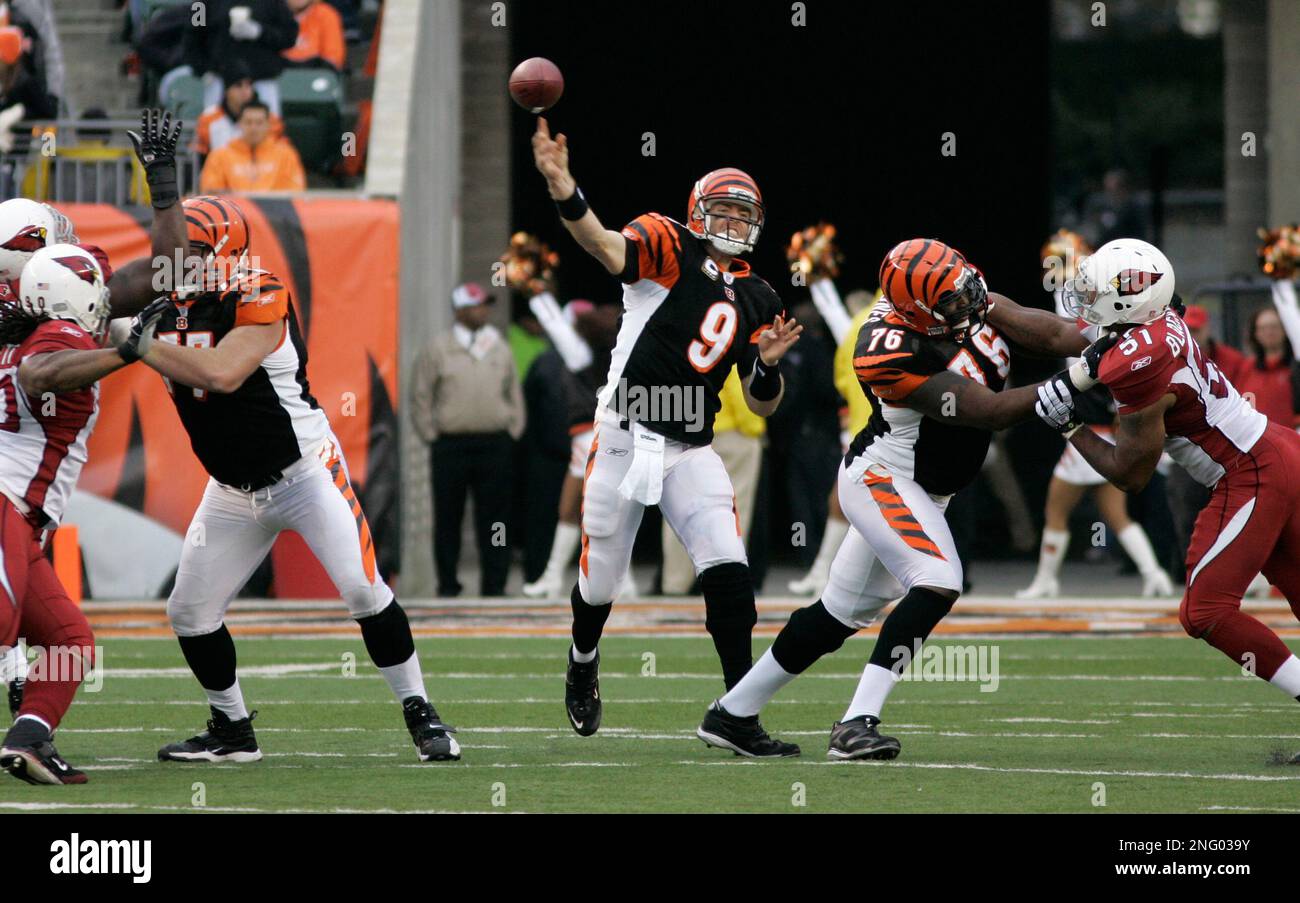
<point x="508" y="417"/>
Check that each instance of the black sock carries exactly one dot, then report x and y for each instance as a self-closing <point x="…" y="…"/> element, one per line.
<point x="588" y="622"/>
<point x="387" y="636"/>
<point x="730" y="615"/>
<point x="809" y="634"/>
<point x="908" y="626"/>
<point x="211" y="657"/>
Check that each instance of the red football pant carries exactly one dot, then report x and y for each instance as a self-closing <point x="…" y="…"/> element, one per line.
<point x="1250" y="525"/>
<point x="35" y="606"/>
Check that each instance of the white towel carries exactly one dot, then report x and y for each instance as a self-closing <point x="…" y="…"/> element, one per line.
<point x="644" y="480"/>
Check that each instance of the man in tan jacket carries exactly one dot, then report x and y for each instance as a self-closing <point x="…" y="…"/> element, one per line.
<point x="467" y="403"/>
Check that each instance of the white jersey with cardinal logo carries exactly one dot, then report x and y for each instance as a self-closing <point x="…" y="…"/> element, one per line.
<point x="43" y="438"/>
<point x="1210" y="428"/>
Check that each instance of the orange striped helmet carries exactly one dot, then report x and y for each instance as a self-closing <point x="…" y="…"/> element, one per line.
<point x="218" y="227"/>
<point x="727" y="184"/>
<point x="933" y="289"/>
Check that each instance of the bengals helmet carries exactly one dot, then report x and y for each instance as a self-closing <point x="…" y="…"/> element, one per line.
<point x="217" y="230"/>
<point x="728" y="184"/>
<point x="933" y="289"/>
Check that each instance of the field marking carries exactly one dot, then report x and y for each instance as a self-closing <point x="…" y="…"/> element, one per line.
<point x="1245" y="809"/>
<point x="145" y="807"/>
<point x="971" y="766"/>
<point x="313" y="671"/>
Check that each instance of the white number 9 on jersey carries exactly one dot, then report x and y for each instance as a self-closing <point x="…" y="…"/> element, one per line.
<point x="717" y="331"/>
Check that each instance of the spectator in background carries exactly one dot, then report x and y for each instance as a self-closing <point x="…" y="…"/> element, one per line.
<point x="41" y="39"/>
<point x="23" y="95"/>
<point x="467" y="403"/>
<point x="1225" y="357"/>
<point x="255" y="31"/>
<point x="1269" y="375"/>
<point x="219" y="124"/>
<point x="320" y="36"/>
<point x="254" y="161"/>
<point x="1114" y="213"/>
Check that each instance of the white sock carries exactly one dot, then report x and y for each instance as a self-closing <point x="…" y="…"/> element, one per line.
<point x="37" y="719"/>
<point x="1287" y="678"/>
<point x="1134" y="540"/>
<point x="229" y="702"/>
<point x="405" y="680"/>
<point x="13" y="664"/>
<point x="582" y="657"/>
<point x="874" y="688"/>
<point x="1051" y="552"/>
<point x="834" y="534"/>
<point x="563" y="546"/>
<point x="757" y="687"/>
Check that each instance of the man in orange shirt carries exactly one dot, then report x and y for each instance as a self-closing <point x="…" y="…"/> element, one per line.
<point x="254" y="161"/>
<point x="220" y="122"/>
<point x="320" y="35"/>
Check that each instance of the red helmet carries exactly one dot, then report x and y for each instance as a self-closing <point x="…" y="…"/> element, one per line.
<point x="219" y="227"/>
<point x="728" y="184"/>
<point x="932" y="287"/>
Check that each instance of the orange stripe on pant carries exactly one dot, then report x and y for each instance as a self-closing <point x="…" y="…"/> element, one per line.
<point x="591" y="462"/>
<point x="363" y="528"/>
<point x="899" y="516"/>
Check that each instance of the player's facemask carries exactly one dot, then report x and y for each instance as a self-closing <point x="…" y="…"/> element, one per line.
<point x="963" y="309"/>
<point x="216" y="271"/>
<point x="718" y="230"/>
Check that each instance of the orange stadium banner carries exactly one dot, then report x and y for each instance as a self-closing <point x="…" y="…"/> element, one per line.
<point x="142" y="478"/>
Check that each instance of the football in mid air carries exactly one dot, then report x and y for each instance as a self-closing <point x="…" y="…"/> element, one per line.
<point x="536" y="84"/>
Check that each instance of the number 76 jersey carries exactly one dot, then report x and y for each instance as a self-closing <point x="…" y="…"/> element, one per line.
<point x="891" y="362"/>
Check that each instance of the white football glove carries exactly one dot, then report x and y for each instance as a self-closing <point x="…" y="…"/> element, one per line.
<point x="246" y="30"/>
<point x="1055" y="406"/>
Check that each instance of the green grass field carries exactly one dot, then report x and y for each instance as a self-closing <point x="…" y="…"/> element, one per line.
<point x="1163" y="724"/>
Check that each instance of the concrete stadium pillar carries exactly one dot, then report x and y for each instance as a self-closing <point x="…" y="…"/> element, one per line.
<point x="1246" y="129"/>
<point x="1283" y="112"/>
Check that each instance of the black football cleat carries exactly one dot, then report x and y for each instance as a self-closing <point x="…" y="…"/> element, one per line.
<point x="582" y="695"/>
<point x="742" y="735"/>
<point x="223" y="741"/>
<point x="858" y="738"/>
<point x="15" y="696"/>
<point x="432" y="738"/>
<point x="28" y="754"/>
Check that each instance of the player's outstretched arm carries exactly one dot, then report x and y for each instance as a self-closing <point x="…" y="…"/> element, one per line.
<point x="955" y="399"/>
<point x="67" y="371"/>
<point x="1139" y="440"/>
<point x="1035" y="331"/>
<point x="138" y="282"/>
<point x="221" y="369"/>
<point x="551" y="156"/>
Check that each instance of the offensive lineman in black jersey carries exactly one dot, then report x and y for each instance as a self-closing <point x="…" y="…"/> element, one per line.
<point x="692" y="310"/>
<point x="935" y="371"/>
<point x="235" y="362"/>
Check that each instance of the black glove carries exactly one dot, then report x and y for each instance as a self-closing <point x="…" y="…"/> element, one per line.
<point x="136" y="345"/>
<point x="1082" y="374"/>
<point x="155" y="146"/>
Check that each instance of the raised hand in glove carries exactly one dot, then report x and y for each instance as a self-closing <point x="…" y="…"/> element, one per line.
<point x="155" y="146"/>
<point x="1055" y="406"/>
<point x="143" y="325"/>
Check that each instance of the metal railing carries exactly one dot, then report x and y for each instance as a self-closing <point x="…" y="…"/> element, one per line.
<point x="80" y="161"/>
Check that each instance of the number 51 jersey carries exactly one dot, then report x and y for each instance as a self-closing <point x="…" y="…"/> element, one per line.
<point x="685" y="323"/>
<point x="891" y="362"/>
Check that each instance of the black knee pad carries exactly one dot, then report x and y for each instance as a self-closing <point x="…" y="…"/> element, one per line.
<point x="728" y="592"/>
<point x="211" y="656"/>
<point x="910" y="623"/>
<point x="809" y="634"/>
<point x="387" y="636"/>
